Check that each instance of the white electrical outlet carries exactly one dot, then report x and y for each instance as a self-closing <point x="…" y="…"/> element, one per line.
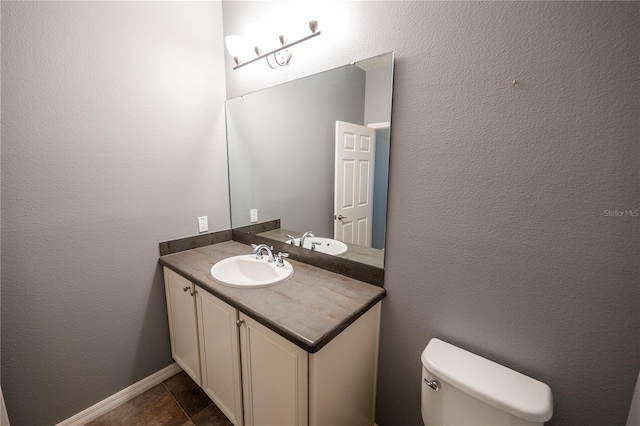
<point x="203" y="224"/>
<point x="254" y="215"/>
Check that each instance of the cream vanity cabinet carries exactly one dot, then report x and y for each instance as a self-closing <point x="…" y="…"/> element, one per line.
<point x="183" y="328"/>
<point x="204" y="342"/>
<point x="257" y="377"/>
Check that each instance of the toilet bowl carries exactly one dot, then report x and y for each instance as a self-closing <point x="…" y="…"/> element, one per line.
<point x="462" y="388"/>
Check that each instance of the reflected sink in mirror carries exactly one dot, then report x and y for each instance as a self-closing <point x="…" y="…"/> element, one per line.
<point x="354" y="252"/>
<point x="322" y="245"/>
<point x="247" y="271"/>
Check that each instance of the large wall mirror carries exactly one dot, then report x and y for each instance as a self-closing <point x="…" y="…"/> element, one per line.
<point x="312" y="155"/>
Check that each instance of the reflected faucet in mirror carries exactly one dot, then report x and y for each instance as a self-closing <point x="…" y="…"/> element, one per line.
<point x="304" y="237"/>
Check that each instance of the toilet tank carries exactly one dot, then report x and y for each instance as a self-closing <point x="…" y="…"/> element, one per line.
<point x="476" y="391"/>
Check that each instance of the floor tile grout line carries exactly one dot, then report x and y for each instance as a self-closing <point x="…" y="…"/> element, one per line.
<point x="176" y="401"/>
<point x="212" y="403"/>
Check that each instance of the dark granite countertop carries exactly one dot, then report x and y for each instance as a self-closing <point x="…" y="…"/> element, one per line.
<point x="309" y="309"/>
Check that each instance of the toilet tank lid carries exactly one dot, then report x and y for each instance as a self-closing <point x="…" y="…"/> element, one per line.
<point x="492" y="383"/>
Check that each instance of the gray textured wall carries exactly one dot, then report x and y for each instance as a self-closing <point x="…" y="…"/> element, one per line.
<point x="112" y="140"/>
<point x="497" y="237"/>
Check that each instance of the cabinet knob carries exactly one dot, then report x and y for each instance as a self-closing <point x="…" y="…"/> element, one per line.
<point x="239" y="323"/>
<point x="186" y="288"/>
<point x="193" y="293"/>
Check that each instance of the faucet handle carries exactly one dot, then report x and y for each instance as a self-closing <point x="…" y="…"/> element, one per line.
<point x="292" y="239"/>
<point x="281" y="257"/>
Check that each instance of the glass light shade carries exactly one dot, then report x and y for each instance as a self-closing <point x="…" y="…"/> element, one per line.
<point x="281" y="26"/>
<point x="238" y="47"/>
<point x="299" y="28"/>
<point x="256" y="34"/>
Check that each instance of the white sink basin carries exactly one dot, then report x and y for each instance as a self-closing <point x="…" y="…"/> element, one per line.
<point x="327" y="245"/>
<point x="248" y="272"/>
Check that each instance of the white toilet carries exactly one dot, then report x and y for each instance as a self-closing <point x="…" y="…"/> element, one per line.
<point x="461" y="388"/>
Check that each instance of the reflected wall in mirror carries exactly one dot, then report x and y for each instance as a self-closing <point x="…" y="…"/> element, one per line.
<point x="284" y="162"/>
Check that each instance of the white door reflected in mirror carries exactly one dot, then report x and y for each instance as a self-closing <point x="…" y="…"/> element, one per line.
<point x="354" y="171"/>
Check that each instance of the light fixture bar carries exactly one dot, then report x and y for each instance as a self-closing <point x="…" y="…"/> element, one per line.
<point x="286" y="46"/>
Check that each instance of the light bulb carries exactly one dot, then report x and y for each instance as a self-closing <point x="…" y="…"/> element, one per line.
<point x="238" y="48"/>
<point x="256" y="34"/>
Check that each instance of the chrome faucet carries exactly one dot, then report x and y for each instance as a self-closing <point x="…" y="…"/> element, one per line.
<point x="305" y="235"/>
<point x="257" y="250"/>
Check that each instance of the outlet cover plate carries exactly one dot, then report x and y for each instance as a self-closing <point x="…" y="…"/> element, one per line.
<point x="203" y="224"/>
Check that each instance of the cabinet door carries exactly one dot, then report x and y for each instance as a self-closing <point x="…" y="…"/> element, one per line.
<point x="274" y="377"/>
<point x="220" y="354"/>
<point x="183" y="329"/>
<point x="343" y="375"/>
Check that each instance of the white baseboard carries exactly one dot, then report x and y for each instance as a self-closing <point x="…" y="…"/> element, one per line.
<point x="121" y="397"/>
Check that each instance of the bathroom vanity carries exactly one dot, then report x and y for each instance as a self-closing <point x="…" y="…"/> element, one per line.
<point x="301" y="352"/>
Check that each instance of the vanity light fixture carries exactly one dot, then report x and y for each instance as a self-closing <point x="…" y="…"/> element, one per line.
<point x="241" y="49"/>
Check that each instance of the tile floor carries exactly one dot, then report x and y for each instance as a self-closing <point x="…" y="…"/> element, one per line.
<point x="177" y="401"/>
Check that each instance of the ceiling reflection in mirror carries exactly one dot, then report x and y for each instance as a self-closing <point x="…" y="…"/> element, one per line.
<point x="291" y="160"/>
